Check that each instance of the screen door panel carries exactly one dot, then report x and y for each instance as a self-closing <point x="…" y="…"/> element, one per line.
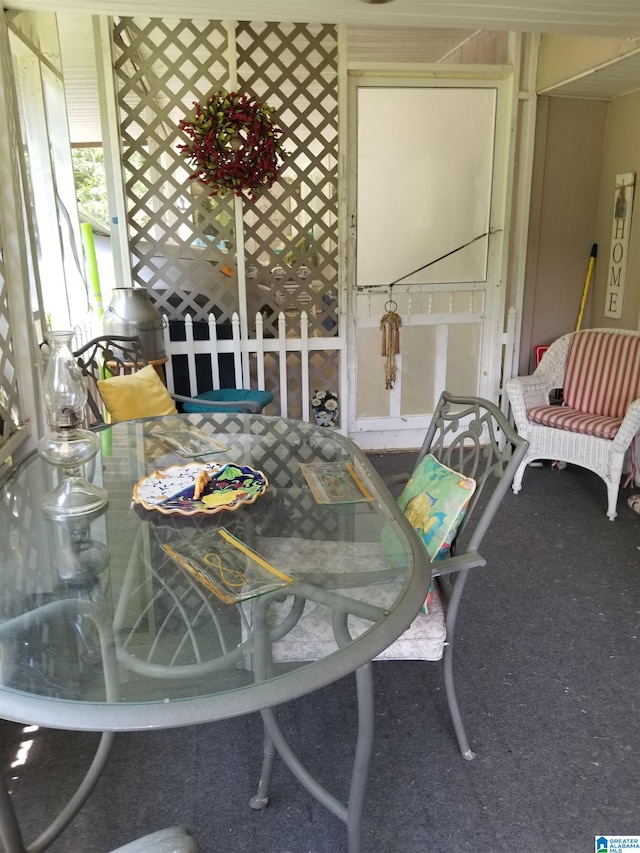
<point x="424" y="190"/>
<point x="424" y="183"/>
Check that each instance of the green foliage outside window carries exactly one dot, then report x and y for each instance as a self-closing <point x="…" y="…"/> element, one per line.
<point x="91" y="185"/>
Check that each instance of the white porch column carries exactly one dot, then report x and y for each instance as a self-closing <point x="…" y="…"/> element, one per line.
<point x="20" y="378"/>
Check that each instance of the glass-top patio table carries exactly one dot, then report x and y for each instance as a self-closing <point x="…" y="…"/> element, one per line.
<point x="103" y="627"/>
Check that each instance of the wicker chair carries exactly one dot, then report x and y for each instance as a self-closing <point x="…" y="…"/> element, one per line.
<point x="599" y="372"/>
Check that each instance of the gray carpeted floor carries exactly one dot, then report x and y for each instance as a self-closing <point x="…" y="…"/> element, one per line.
<point x="548" y="675"/>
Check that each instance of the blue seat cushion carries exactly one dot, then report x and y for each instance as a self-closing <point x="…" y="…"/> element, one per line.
<point x="230" y="395"/>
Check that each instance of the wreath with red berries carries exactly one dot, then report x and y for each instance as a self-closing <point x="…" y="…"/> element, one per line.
<point x="235" y="144"/>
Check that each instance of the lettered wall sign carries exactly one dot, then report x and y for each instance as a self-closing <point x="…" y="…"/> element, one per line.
<point x="617" y="269"/>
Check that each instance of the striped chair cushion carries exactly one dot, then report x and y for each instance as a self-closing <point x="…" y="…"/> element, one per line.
<point x="564" y="417"/>
<point x="602" y="375"/>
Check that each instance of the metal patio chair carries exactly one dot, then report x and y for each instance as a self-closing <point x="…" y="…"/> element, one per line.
<point x="471" y="436"/>
<point x="114" y="355"/>
<point x="176" y="839"/>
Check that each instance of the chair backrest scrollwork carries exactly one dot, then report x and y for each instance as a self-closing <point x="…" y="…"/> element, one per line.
<point x="472" y="436"/>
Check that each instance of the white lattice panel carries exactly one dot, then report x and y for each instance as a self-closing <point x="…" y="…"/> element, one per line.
<point x="183" y="241"/>
<point x="179" y="237"/>
<point x="291" y="231"/>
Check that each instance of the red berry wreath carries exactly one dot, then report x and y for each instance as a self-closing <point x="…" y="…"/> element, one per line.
<point x="235" y="144"/>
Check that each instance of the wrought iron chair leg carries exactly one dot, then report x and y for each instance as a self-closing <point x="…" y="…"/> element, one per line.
<point x="261" y="797"/>
<point x="454" y="710"/>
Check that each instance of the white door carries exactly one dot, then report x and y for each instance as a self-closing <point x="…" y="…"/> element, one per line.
<point x="428" y="229"/>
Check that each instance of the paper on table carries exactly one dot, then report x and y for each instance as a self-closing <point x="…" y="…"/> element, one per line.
<point x="227" y="566"/>
<point x="189" y="441"/>
<point x="335" y="482"/>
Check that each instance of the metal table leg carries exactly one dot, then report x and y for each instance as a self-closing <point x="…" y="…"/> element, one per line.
<point x="350" y="814"/>
<point x="261" y="797"/>
<point x="362" y="760"/>
<point x="76" y="802"/>
<point x="274" y="739"/>
<point x="10" y="833"/>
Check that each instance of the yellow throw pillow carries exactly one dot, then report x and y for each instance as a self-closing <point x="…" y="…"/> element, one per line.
<point x="136" y="395"/>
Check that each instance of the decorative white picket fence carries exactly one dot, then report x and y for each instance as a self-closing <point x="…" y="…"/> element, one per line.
<point x="250" y="356"/>
<point x="258" y="362"/>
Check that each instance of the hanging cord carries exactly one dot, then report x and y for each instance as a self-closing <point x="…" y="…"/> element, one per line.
<point x="390" y="321"/>
<point x="366" y="287"/>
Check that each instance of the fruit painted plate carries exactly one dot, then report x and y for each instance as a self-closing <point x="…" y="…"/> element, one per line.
<point x="200" y="487"/>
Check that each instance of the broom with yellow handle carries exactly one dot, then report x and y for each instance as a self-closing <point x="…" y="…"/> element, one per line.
<point x="585" y="290"/>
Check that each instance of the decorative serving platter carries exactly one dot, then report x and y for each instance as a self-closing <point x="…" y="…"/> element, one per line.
<point x="200" y="487"/>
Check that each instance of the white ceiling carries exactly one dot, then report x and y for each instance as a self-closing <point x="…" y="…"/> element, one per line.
<point x="612" y="18"/>
<point x="438" y="27"/>
<point x="620" y="77"/>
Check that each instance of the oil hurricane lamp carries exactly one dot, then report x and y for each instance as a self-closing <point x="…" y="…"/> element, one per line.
<point x="68" y="446"/>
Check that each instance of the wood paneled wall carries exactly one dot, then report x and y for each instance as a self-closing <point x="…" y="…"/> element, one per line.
<point x="570" y="141"/>
<point x="621" y="155"/>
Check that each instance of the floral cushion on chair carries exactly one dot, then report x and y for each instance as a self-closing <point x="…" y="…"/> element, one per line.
<point x="434" y="501"/>
<point x="313" y="637"/>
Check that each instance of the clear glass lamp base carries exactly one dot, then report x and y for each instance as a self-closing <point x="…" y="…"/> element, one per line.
<point x="74" y="496"/>
<point x="69" y="449"/>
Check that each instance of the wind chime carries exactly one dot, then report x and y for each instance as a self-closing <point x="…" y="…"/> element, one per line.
<point x="390" y="327"/>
